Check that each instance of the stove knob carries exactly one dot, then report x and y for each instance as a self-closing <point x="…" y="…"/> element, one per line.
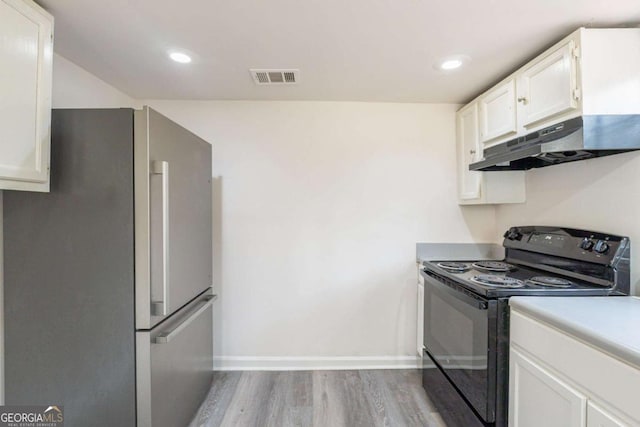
<point x="586" y="244"/>
<point x="513" y="234"/>
<point x="601" y="247"/>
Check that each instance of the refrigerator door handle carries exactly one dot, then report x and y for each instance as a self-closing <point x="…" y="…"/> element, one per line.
<point x="165" y="337"/>
<point x="160" y="271"/>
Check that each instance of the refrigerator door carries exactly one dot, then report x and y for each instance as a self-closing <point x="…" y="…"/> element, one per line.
<point x="174" y="365"/>
<point x="172" y="217"/>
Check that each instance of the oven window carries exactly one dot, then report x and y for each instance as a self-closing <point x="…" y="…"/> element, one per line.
<point x="456" y="335"/>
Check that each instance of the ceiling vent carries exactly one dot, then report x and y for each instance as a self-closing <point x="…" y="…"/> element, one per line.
<point x="275" y="77"/>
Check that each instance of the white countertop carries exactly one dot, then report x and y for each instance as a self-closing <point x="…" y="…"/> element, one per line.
<point x="611" y="324"/>
<point x="458" y="251"/>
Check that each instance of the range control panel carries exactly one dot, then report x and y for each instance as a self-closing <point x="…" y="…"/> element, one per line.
<point x="571" y="243"/>
<point x="597" y="246"/>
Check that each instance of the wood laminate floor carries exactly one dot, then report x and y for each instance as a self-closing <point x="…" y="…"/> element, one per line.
<point x="317" y="398"/>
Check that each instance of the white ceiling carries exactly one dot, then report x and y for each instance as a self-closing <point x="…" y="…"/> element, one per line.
<point x="356" y="50"/>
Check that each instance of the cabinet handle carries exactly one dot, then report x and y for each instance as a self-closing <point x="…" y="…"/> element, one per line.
<point x="472" y="151"/>
<point x="523" y="99"/>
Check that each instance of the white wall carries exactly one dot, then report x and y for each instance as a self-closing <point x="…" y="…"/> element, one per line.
<point x="318" y="207"/>
<point x="74" y="87"/>
<point x="598" y="194"/>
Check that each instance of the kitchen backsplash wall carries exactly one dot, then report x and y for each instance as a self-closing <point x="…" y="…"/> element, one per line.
<point x="597" y="194"/>
<point x="319" y="208"/>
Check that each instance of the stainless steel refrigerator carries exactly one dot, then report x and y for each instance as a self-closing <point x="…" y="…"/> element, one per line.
<point x="108" y="297"/>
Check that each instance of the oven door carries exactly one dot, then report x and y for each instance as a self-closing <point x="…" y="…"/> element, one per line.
<point x="460" y="335"/>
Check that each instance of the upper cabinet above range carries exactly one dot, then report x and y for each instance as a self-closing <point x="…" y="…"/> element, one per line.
<point x="548" y="87"/>
<point x="498" y="112"/>
<point x="545" y="90"/>
<point x="591" y="72"/>
<point x="26" y="53"/>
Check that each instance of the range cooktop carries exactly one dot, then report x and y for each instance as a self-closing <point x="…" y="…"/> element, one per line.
<point x="543" y="260"/>
<point x="492" y="278"/>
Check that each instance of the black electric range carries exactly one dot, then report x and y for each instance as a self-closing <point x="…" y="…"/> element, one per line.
<point x="466" y="330"/>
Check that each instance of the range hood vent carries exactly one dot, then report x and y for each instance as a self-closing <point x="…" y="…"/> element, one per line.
<point x="275" y="77"/>
<point x="575" y="139"/>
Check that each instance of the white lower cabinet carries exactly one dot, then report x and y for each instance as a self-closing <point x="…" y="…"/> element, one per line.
<point x="556" y="380"/>
<point x="420" y="316"/>
<point x="537" y="398"/>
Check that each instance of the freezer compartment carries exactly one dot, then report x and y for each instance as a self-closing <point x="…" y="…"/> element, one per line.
<point x="174" y="363"/>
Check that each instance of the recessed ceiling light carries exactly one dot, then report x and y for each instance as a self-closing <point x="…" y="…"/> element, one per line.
<point x="451" y="64"/>
<point x="180" y="57"/>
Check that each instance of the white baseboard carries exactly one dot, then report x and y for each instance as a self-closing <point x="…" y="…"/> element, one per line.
<point x="251" y="363"/>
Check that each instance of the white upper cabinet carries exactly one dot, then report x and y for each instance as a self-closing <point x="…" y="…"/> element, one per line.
<point x="592" y="71"/>
<point x="468" y="152"/>
<point x="26" y="52"/>
<point x="481" y="187"/>
<point x="549" y="86"/>
<point x="598" y="417"/>
<point x="498" y="112"/>
<point x="608" y="70"/>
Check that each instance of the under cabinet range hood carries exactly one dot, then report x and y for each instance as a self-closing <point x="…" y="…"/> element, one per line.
<point x="579" y="138"/>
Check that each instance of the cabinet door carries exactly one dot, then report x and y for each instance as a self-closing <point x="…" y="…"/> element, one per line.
<point x="420" y="319"/>
<point x="549" y="87"/>
<point x="538" y="398"/>
<point x="468" y="152"/>
<point x="498" y="112"/>
<point x="598" y="417"/>
<point x="25" y="95"/>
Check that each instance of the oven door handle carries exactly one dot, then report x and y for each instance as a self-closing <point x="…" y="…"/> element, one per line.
<point x="457" y="292"/>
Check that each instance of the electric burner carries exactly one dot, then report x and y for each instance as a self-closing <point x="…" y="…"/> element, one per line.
<point x="497" y="281"/>
<point x="497" y="266"/>
<point x="550" y="282"/>
<point x="454" y="266"/>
